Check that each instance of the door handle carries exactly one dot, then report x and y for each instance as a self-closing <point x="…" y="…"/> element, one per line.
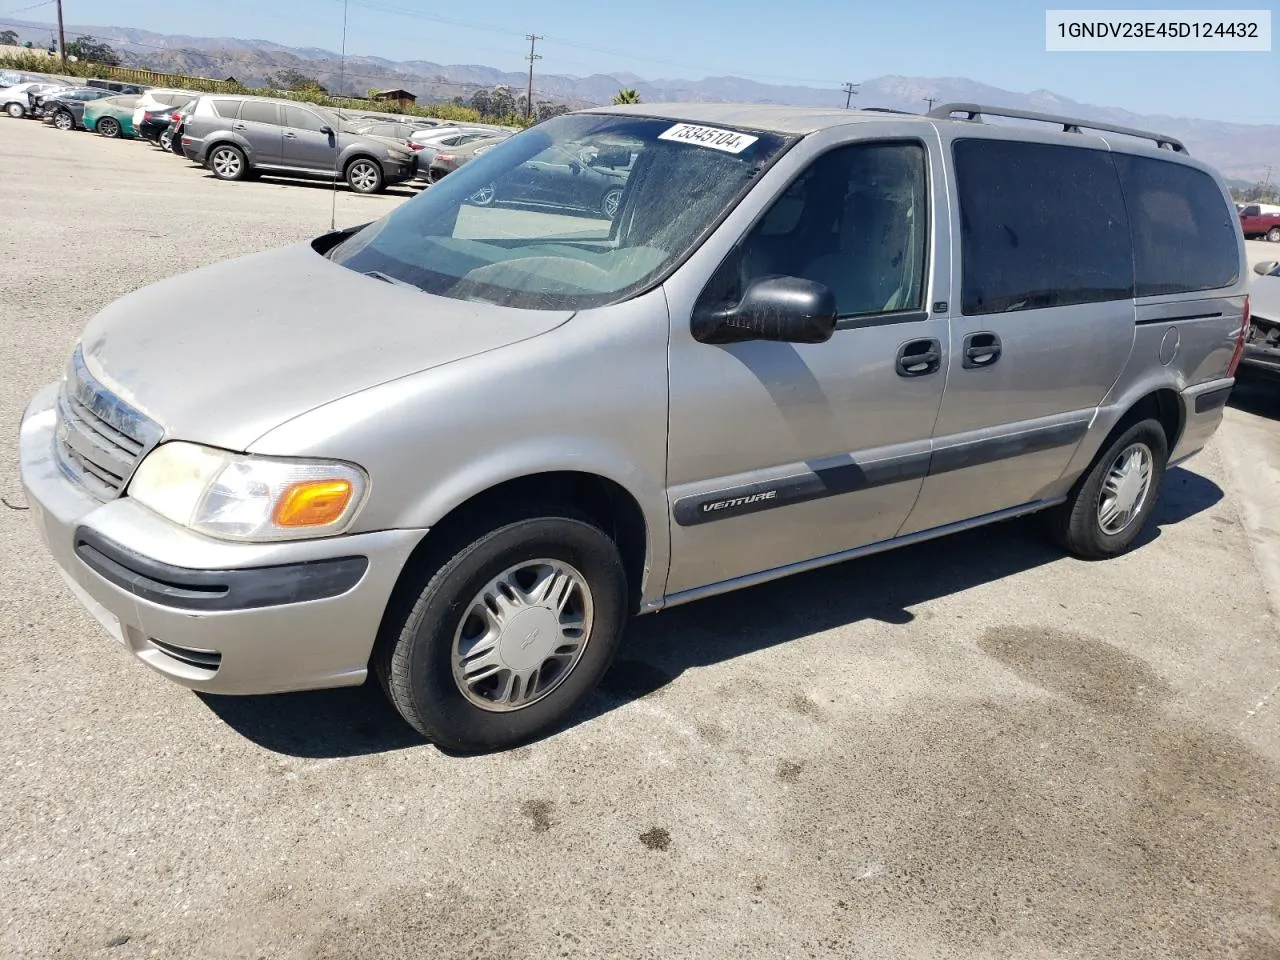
<point x="291" y="136"/>
<point x="980" y="350"/>
<point x="919" y="358"/>
<point x="237" y="126"/>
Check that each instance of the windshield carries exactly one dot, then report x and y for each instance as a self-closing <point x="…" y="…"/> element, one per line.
<point x="576" y="212"/>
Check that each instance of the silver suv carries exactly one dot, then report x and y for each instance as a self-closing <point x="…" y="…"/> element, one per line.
<point x="236" y="137"/>
<point x="459" y="446"/>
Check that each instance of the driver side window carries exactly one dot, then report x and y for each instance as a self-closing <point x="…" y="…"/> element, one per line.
<point x="855" y="221"/>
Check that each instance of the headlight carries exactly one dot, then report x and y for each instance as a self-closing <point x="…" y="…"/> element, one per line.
<point x="240" y="497"/>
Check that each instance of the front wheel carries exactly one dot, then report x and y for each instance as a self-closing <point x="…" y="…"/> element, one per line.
<point x="611" y="201"/>
<point x="508" y="636"/>
<point x="109" y="127"/>
<point x="63" y="120"/>
<point x="484" y="196"/>
<point x="1274" y="234"/>
<point x="364" y="176"/>
<point x="1109" y="505"/>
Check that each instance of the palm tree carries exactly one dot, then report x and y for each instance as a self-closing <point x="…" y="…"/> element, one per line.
<point x="626" y="96"/>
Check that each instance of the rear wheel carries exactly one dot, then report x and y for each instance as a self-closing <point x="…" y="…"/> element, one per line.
<point x="484" y="196"/>
<point x="15" y="110"/>
<point x="228" y="162"/>
<point x="63" y="120"/>
<point x="1274" y="234"/>
<point x="165" y="142"/>
<point x="364" y="176"/>
<point x="611" y="201"/>
<point x="109" y="127"/>
<point x="507" y="637"/>
<point x="1109" y="505"/>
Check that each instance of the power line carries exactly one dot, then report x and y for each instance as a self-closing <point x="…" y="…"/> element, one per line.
<point x="849" y="90"/>
<point x="42" y="3"/>
<point x="528" y="99"/>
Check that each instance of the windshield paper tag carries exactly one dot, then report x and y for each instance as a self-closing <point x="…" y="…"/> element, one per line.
<point x="728" y="141"/>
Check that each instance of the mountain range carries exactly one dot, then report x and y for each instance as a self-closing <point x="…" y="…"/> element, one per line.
<point x="1240" y="151"/>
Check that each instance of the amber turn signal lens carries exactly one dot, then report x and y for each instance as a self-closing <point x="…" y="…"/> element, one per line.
<point x="313" y="503"/>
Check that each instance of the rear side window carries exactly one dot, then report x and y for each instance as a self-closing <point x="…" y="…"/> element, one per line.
<point x="1184" y="232"/>
<point x="1041" y="226"/>
<point x="255" y="111"/>
<point x="226" y="108"/>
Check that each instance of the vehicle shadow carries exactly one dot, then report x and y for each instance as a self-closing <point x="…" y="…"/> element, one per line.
<point x="1257" y="395"/>
<point x="659" y="648"/>
<point x="396" y="190"/>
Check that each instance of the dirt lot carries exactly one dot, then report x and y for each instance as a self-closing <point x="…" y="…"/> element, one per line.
<point x="973" y="748"/>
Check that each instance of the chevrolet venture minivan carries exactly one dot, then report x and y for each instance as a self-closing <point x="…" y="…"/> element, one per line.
<point x="459" y="446"/>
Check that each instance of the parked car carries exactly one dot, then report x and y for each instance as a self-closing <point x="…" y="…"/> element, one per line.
<point x="457" y="447"/>
<point x="155" y="103"/>
<point x="116" y="87"/>
<point x="65" y="109"/>
<point x="1260" y="220"/>
<point x="239" y="136"/>
<point x="1262" y="344"/>
<point x="564" y="176"/>
<point x="443" y="164"/>
<point x="16" y="100"/>
<point x="450" y="141"/>
<point x="112" y="117"/>
<point x="390" y="131"/>
<point x="171" y="138"/>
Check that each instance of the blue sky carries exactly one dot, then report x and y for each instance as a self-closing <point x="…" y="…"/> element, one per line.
<point x="814" y="42"/>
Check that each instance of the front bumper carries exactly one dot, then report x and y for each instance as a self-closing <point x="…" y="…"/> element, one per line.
<point x="214" y="616"/>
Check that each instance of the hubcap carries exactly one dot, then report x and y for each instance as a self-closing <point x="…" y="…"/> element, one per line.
<point x="108" y="127"/>
<point x="1125" y="490"/>
<point x="226" y="163"/>
<point x="522" y="635"/>
<point x="62" y="121"/>
<point x="611" y="201"/>
<point x="364" y="177"/>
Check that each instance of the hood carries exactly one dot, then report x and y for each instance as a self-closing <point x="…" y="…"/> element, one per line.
<point x="223" y="355"/>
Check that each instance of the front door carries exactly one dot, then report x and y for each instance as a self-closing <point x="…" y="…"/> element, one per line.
<point x="1042" y="327"/>
<point x="306" y="144"/>
<point x="782" y="453"/>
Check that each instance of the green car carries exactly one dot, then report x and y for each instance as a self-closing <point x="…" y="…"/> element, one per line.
<point x="111" y="116"/>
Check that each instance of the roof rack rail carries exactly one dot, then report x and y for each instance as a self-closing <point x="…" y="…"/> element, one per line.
<point x="975" y="111"/>
<point x="887" y="110"/>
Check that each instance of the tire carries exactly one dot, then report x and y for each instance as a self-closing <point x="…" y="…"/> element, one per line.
<point x="1079" y="524"/>
<point x="15" y="110"/>
<point x="228" y="162"/>
<point x="415" y="656"/>
<point x="64" y="121"/>
<point x="165" y="142"/>
<point x="109" y="127"/>
<point x="1274" y="234"/>
<point x="610" y="202"/>
<point x="364" y="176"/>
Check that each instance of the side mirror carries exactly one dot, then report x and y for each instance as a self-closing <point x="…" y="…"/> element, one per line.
<point x="1265" y="267"/>
<point x="327" y="130"/>
<point x="782" y="309"/>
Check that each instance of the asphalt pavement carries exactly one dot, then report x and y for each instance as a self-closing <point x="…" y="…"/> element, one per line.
<point x="970" y="748"/>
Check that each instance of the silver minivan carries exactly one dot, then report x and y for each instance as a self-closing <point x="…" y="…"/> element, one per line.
<point x="457" y="447"/>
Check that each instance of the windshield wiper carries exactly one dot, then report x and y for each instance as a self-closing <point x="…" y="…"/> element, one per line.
<point x="379" y="275"/>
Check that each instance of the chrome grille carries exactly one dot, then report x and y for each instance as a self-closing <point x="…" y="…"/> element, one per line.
<point x="100" y="439"/>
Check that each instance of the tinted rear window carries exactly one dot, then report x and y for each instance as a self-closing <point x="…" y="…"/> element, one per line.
<point x="1184" y="231"/>
<point x="255" y="111"/>
<point x="226" y="108"/>
<point x="1041" y="226"/>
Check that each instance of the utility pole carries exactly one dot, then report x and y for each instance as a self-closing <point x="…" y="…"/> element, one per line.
<point x="62" y="37"/>
<point x="849" y="90"/>
<point x="929" y="101"/>
<point x="528" y="100"/>
<point x="1267" y="180"/>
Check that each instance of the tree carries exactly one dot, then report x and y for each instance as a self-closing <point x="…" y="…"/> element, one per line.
<point x="8" y="38"/>
<point x="482" y="103"/>
<point x="87" y="48"/>
<point x="627" y="95"/>
<point x="295" y="81"/>
<point x="503" y="104"/>
<point x="547" y="110"/>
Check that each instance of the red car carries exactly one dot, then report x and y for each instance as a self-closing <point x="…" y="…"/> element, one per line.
<point x="1260" y="220"/>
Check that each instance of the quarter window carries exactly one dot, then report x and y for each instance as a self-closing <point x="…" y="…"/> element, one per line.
<point x="1040" y="225"/>
<point x="1184" y="233"/>
<point x="226" y="108"/>
<point x="855" y="221"/>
